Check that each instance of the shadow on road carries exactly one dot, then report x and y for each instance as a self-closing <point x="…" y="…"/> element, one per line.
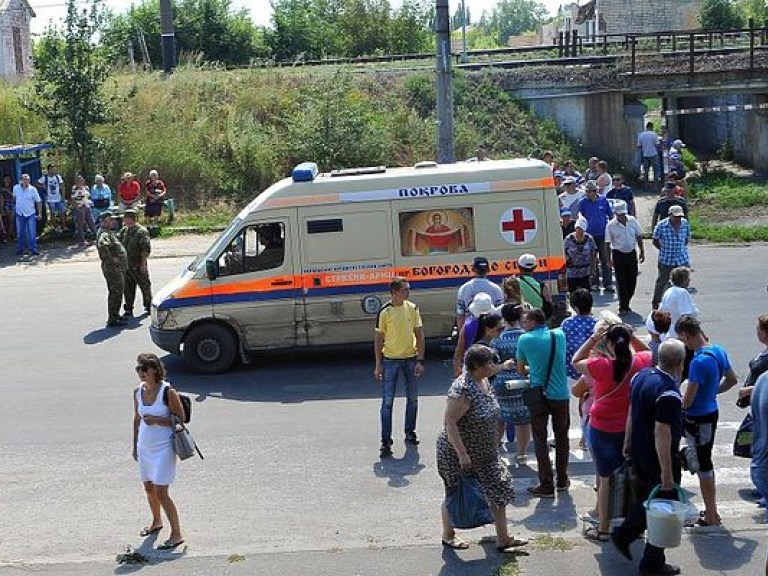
<point x="722" y="550"/>
<point x="454" y="564"/>
<point x="303" y="375"/>
<point x="398" y="469"/>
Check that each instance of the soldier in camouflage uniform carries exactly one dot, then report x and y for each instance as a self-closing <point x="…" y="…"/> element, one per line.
<point x="114" y="261"/>
<point x="135" y="239"/>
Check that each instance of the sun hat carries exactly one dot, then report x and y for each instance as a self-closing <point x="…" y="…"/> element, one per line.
<point x="482" y="303"/>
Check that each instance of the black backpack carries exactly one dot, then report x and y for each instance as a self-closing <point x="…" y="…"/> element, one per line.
<point x="186" y="403"/>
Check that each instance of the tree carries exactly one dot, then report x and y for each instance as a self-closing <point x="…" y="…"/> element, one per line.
<point x="719" y="15"/>
<point x="211" y="28"/>
<point x="755" y="9"/>
<point x="512" y="17"/>
<point x="70" y="71"/>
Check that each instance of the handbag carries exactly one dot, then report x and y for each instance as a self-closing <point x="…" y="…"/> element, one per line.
<point x="535" y="397"/>
<point x="623" y="491"/>
<point x="183" y="443"/>
<point x="742" y="444"/>
<point x="466" y="504"/>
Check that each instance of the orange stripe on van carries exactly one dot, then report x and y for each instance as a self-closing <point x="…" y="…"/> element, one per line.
<point x="363" y="277"/>
<point x="507" y="185"/>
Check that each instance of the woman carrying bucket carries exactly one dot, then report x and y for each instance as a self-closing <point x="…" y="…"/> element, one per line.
<point x="654" y="429"/>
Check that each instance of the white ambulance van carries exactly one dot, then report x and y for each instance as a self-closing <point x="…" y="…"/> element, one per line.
<point x="309" y="260"/>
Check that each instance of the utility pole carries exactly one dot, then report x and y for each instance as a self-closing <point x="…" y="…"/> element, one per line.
<point x="167" y="37"/>
<point x="444" y="85"/>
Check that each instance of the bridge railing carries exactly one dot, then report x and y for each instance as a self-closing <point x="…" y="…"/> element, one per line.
<point x="571" y="48"/>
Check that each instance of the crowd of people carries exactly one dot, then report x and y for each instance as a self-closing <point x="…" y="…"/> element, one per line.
<point x="27" y="208"/>
<point x="654" y="401"/>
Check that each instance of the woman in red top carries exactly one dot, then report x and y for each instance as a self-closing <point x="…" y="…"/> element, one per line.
<point x="129" y="191"/>
<point x="611" y="375"/>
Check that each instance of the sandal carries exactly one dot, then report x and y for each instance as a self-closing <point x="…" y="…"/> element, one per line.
<point x="455" y="543"/>
<point x="593" y="533"/>
<point x="148" y="531"/>
<point x="511" y="545"/>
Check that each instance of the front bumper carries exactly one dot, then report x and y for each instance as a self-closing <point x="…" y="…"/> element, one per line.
<point x="168" y="340"/>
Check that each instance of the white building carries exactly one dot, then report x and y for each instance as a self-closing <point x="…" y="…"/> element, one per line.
<point x="15" y="39"/>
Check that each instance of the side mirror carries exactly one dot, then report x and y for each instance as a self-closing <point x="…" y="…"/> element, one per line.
<point x="212" y="269"/>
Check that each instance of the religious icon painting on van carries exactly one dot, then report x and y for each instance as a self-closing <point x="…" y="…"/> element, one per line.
<point x="448" y="231"/>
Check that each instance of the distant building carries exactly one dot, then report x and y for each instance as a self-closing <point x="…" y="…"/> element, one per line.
<point x="15" y="39"/>
<point x="622" y="17"/>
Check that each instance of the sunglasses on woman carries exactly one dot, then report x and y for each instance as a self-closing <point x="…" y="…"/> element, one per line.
<point x="140" y="369"/>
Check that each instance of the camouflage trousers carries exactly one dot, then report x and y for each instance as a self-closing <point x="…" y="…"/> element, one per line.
<point x="135" y="277"/>
<point x="115" y="281"/>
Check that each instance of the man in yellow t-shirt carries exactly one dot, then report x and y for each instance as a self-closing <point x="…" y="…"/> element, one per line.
<point x="398" y="346"/>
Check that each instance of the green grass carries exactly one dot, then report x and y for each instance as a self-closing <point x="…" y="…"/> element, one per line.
<point x="726" y="208"/>
<point x="209" y="217"/>
<point x="509" y="567"/>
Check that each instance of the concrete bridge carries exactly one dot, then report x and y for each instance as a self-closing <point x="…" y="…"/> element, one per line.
<point x="711" y="92"/>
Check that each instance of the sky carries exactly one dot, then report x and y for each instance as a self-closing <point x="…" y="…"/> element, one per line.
<point x="54" y="10"/>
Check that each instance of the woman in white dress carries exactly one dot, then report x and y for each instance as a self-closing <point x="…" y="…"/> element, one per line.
<point x="153" y="444"/>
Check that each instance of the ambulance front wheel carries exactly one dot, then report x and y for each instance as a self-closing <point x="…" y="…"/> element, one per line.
<point x="210" y="348"/>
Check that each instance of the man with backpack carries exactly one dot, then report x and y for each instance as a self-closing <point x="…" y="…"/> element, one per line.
<point x="535" y="293"/>
<point x="710" y="374"/>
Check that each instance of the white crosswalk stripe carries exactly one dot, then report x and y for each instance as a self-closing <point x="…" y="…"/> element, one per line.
<point x="736" y="500"/>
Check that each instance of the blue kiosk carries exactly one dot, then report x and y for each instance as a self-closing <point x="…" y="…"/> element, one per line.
<point x="18" y="159"/>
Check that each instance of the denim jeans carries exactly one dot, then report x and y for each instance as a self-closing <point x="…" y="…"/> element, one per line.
<point x="604" y="270"/>
<point x="26" y="232"/>
<point x="392" y="370"/>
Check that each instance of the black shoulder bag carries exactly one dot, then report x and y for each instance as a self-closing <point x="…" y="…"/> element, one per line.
<point x="535" y="397"/>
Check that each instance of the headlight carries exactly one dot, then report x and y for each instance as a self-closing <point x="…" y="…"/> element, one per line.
<point x="159" y="317"/>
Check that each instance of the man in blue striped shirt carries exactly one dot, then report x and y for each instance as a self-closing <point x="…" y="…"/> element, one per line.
<point x="670" y="236"/>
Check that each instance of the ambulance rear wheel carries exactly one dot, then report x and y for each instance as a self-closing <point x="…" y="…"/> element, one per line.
<point x="210" y="349"/>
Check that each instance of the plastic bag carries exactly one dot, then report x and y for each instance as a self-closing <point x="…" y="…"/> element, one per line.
<point x="467" y="506"/>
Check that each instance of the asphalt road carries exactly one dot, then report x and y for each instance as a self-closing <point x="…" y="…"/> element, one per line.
<point x="291" y="480"/>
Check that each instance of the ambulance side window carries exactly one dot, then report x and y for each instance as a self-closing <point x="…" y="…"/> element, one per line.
<point x="255" y="248"/>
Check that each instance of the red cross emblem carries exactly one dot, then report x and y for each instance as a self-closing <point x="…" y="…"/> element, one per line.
<point x="518" y="225"/>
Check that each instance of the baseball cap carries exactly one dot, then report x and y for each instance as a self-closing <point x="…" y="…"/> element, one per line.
<point x="678" y="144"/>
<point x="569" y="180"/>
<point x="675" y="210"/>
<point x="565" y="211"/>
<point x="620" y="207"/>
<point x="481" y="264"/>
<point x="527" y="261"/>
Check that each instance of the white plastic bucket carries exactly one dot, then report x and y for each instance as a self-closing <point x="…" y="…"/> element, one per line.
<point x="516" y="384"/>
<point x="666" y="519"/>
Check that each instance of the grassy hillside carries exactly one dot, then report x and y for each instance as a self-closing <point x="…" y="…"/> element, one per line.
<point x="225" y="135"/>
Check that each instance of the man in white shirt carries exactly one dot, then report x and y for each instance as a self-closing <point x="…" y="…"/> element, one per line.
<point x="571" y="195"/>
<point x="677" y="300"/>
<point x="51" y="188"/>
<point x="647" y="142"/>
<point x="471" y="288"/>
<point x="624" y="239"/>
<point x="28" y="212"/>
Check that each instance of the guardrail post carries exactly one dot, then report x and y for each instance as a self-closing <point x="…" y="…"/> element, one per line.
<point x="567" y="43"/>
<point x="690" y="57"/>
<point x="575" y="43"/>
<point x="560" y="37"/>
<point x="751" y="46"/>
<point x="632" y="48"/>
<point x="674" y="42"/>
<point x="605" y="44"/>
<point x="658" y="43"/>
<point x="710" y="40"/>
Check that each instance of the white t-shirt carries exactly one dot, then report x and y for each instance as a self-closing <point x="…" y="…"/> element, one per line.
<point x="25" y="200"/>
<point x="647" y="141"/>
<point x="568" y="200"/>
<point x="53" y="185"/>
<point x="678" y="302"/>
<point x="472" y="288"/>
<point x="81" y="196"/>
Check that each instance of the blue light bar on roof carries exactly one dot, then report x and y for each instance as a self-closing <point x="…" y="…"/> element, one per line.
<point x="305" y="172"/>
